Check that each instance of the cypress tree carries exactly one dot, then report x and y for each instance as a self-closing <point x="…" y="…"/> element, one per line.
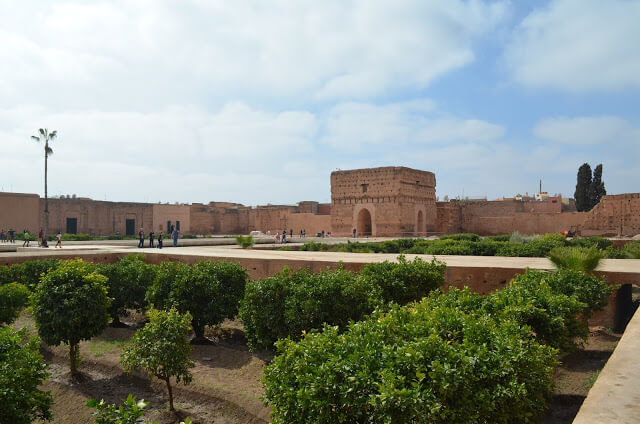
<point x="582" y="188"/>
<point x="596" y="190"/>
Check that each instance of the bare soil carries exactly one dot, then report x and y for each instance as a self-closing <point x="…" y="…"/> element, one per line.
<point x="226" y="386"/>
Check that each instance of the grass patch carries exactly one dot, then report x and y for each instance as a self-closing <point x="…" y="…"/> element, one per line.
<point x="100" y="347"/>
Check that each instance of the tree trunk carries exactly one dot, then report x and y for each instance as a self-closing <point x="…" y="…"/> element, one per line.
<point x="73" y="357"/>
<point x="171" y="408"/>
<point x="46" y="197"/>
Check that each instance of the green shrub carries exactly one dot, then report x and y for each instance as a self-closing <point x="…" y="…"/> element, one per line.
<point x="209" y="291"/>
<point x="462" y="236"/>
<point x="127" y="282"/>
<point x="71" y="304"/>
<point x="503" y="237"/>
<point x="161" y="348"/>
<point x="30" y="273"/>
<point x="244" y="242"/>
<point x="288" y="303"/>
<point x="7" y="275"/>
<point x="576" y="258"/>
<point x="420" y="363"/>
<point x="13" y="297"/>
<point x="404" y="281"/>
<point x="77" y="237"/>
<point x="628" y="251"/>
<point x="130" y="412"/>
<point x="22" y="372"/>
<point x="600" y="242"/>
<point x="188" y="236"/>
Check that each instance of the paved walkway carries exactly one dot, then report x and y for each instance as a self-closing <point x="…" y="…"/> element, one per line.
<point x="626" y="266"/>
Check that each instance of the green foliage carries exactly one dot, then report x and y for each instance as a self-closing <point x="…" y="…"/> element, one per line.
<point x="461" y="236"/>
<point x="244" y="242"/>
<point x="583" y="203"/>
<point x="596" y="189"/>
<point x="209" y="291"/>
<point x="577" y="258"/>
<point x="13" y="297"/>
<point x="161" y="348"/>
<point x="556" y="305"/>
<point x="30" y="273"/>
<point x="600" y="242"/>
<point x="7" y="275"/>
<point x="420" y="363"/>
<point x="127" y="281"/>
<point x="404" y="281"/>
<point x="130" y="412"/>
<point x="289" y="304"/>
<point x="188" y="236"/>
<point x="79" y="237"/>
<point x="22" y="371"/>
<point x="628" y="251"/>
<point x="70" y="304"/>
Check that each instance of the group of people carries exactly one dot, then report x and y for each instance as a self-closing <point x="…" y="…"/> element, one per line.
<point x="175" y="233"/>
<point x="10" y="237"/>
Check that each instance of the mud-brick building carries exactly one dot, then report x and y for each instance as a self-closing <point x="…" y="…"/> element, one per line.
<point x="387" y="201"/>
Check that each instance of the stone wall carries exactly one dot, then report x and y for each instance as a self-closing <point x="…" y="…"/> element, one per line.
<point x="19" y="211"/>
<point x="95" y="217"/>
<point x="614" y="215"/>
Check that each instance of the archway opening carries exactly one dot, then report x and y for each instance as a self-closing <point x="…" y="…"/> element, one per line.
<point x="420" y="225"/>
<point x="364" y="223"/>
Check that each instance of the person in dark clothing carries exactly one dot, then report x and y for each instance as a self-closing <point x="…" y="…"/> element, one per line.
<point x="284" y="236"/>
<point x="354" y="233"/>
<point x="291" y="232"/>
<point x="141" y="238"/>
<point x="12" y="235"/>
<point x="160" y="240"/>
<point x="151" y="238"/>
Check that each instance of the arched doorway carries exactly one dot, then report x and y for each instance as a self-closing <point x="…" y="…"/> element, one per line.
<point x="364" y="223"/>
<point x="420" y="226"/>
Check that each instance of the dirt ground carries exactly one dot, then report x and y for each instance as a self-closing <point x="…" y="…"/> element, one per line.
<point x="577" y="374"/>
<point x="226" y="386"/>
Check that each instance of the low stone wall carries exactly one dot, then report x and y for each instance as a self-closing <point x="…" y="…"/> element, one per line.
<point x="615" y="396"/>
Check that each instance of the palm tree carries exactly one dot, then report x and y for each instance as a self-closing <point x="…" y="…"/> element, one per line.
<point x="46" y="136"/>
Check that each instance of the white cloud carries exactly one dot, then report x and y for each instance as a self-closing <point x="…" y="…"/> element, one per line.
<point x="355" y="126"/>
<point x="149" y="52"/>
<point x="578" y="46"/>
<point x="580" y="131"/>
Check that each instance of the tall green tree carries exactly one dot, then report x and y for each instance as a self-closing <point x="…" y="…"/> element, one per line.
<point x="596" y="189"/>
<point x="46" y="137"/>
<point x="582" y="188"/>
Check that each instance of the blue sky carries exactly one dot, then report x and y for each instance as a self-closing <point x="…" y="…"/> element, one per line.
<point x="257" y="102"/>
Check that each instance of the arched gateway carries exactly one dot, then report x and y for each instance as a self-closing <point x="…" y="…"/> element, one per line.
<point x="364" y="223"/>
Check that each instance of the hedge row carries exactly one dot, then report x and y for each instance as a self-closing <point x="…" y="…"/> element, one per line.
<point x="466" y="244"/>
<point x="452" y="357"/>
<point x="289" y="304"/>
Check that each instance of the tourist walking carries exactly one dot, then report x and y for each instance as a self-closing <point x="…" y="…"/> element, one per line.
<point x="354" y="233"/>
<point x="151" y="237"/>
<point x="40" y="235"/>
<point x="140" y="238"/>
<point x="290" y="232"/>
<point x="59" y="239"/>
<point x="27" y="238"/>
<point x="284" y="236"/>
<point x="160" y="240"/>
<point x="3" y="237"/>
<point x="278" y="237"/>
<point x="12" y="235"/>
<point x="175" y="235"/>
